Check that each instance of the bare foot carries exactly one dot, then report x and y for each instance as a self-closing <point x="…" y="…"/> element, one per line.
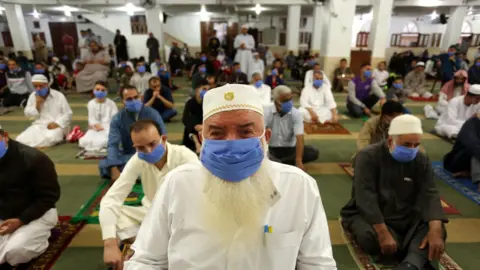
<point x="465" y="174"/>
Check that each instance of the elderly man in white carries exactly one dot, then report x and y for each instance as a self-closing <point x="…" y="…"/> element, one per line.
<point x="309" y="75"/>
<point x="238" y="209"/>
<point x="51" y="113"/>
<point x="244" y="44"/>
<point x="256" y="65"/>
<point x="317" y="104"/>
<point x="264" y="90"/>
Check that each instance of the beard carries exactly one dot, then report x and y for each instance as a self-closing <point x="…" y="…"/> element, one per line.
<point x="238" y="207"/>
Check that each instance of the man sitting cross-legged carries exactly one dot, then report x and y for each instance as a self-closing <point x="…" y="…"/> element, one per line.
<point x="155" y="157"/>
<point x="287" y="143"/>
<point x="159" y="97"/>
<point x="395" y="208"/>
<point x="51" y="113"/>
<point x="28" y="192"/>
<point x="120" y="146"/>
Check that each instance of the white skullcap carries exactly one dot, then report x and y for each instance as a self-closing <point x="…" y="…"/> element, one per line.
<point x="55" y="59"/>
<point x="245" y="26"/>
<point x="474" y="89"/>
<point x="405" y="124"/>
<point x="255" y="53"/>
<point x="420" y="64"/>
<point x="231" y="97"/>
<point x="39" y="78"/>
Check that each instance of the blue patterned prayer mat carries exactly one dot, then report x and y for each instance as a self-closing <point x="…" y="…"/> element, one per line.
<point x="462" y="185"/>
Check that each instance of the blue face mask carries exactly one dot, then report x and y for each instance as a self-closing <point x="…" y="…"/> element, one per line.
<point x="318" y="83"/>
<point x="154" y="156"/>
<point x="312" y="62"/>
<point x="451" y="53"/>
<point x="258" y="83"/>
<point x="162" y="69"/>
<point x="477" y="64"/>
<point x="141" y="69"/>
<point x="404" y="154"/>
<point x="397" y="85"/>
<point x="39" y="71"/>
<point x="3" y="148"/>
<point x="2" y="66"/>
<point x="238" y="71"/>
<point x="99" y="94"/>
<point x="42" y="92"/>
<point x="133" y="105"/>
<point x="123" y="65"/>
<point x="287" y="106"/>
<point x="202" y="69"/>
<point x="367" y="74"/>
<point x="202" y="94"/>
<point x="203" y="59"/>
<point x="232" y="160"/>
<point x="274" y="72"/>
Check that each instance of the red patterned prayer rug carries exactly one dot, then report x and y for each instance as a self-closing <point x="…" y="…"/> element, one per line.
<point x="62" y="235"/>
<point x="422" y="99"/>
<point x="325" y="129"/>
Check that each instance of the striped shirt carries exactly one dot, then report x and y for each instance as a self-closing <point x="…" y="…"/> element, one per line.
<point x="284" y="128"/>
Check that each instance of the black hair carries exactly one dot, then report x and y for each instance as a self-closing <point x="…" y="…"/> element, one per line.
<point x="143" y="124"/>
<point x="392" y="107"/>
<point x="343" y="60"/>
<point x="102" y="83"/>
<point x="154" y="78"/>
<point x="2" y="132"/>
<point x="364" y="65"/>
<point x="128" y="87"/>
<point x="470" y="94"/>
<point x="235" y="64"/>
<point x="453" y="47"/>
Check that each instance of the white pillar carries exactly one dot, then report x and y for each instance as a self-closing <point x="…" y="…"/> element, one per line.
<point x="155" y="26"/>
<point x="378" y="38"/>
<point x="18" y="29"/>
<point x="454" y="26"/>
<point x="337" y="34"/>
<point x="316" y="42"/>
<point x="293" y="28"/>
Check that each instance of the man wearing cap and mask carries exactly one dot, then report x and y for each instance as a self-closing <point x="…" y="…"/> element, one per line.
<point x="244" y="44"/>
<point x="264" y="90"/>
<point x="29" y="191"/>
<point x="415" y="82"/>
<point x="287" y="144"/>
<point x="154" y="158"/>
<point x="317" y="104"/>
<point x="141" y="78"/>
<point x="458" y="111"/>
<point x="309" y="75"/>
<point x="395" y="208"/>
<point x="120" y="146"/>
<point x="238" y="209"/>
<point x="51" y="113"/>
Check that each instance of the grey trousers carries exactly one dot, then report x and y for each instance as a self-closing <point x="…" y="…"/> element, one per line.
<point x="475" y="170"/>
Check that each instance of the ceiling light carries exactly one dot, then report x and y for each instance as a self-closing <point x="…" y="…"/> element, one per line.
<point x="35" y="13"/>
<point x="434" y="15"/>
<point x="258" y="9"/>
<point x="129" y="6"/>
<point x="68" y="13"/>
<point x="204" y="14"/>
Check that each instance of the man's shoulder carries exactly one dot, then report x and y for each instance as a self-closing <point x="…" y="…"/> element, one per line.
<point x="290" y="175"/>
<point x="371" y="151"/>
<point x="29" y="154"/>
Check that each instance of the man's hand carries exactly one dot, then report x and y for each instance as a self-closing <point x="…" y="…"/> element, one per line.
<point x="243" y="46"/>
<point x="299" y="164"/>
<point x="382" y="101"/>
<point x="115" y="173"/>
<point x="39" y="100"/>
<point x="387" y="243"/>
<point x="53" y="125"/>
<point x="334" y="119"/>
<point x="112" y="256"/>
<point x="367" y="111"/>
<point x="314" y="118"/>
<point x="198" y="128"/>
<point x="156" y="94"/>
<point x="98" y="127"/>
<point x="9" y="226"/>
<point x="435" y="243"/>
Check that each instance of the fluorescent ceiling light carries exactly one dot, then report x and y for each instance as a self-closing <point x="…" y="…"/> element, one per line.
<point x="204" y="14"/>
<point x="35" y="13"/>
<point x="130" y="9"/>
<point x="258" y="9"/>
<point x="434" y="15"/>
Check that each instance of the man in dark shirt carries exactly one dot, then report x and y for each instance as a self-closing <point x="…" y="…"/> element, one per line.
<point x="198" y="77"/>
<point x="29" y="190"/>
<point x="395" y="207"/>
<point x="237" y="76"/>
<point x="213" y="43"/>
<point x="193" y="118"/>
<point x="160" y="98"/>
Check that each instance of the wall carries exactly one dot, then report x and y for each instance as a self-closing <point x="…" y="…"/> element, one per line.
<point x="105" y="35"/>
<point x="185" y="28"/>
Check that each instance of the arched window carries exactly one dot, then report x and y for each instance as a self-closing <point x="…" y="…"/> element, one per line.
<point x="410" y="27"/>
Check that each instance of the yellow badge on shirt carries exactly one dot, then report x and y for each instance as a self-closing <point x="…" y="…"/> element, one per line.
<point x="229" y="96"/>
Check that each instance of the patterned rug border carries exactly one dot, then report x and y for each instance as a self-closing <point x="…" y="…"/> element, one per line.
<point x="336" y="128"/>
<point x="86" y="210"/>
<point x="448" y="179"/>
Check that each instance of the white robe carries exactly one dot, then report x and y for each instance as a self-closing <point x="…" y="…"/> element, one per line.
<point x="98" y="113"/>
<point x="309" y="78"/>
<point x="321" y="101"/>
<point x="118" y="220"/>
<point x="256" y="66"/>
<point x="141" y="81"/>
<point x="244" y="56"/>
<point x="265" y="92"/>
<point x="452" y="120"/>
<point x="173" y="235"/>
<point x="55" y="110"/>
<point x="29" y="241"/>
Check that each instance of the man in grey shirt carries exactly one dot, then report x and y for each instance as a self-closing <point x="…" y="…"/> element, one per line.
<point x="286" y="122"/>
<point x="395" y="208"/>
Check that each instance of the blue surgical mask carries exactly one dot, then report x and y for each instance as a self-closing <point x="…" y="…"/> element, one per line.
<point x="2" y="66"/>
<point x="154" y="156"/>
<point x="202" y="69"/>
<point x="162" y="69"/>
<point x="202" y="94"/>
<point x="367" y="74"/>
<point x="141" y="69"/>
<point x="404" y="154"/>
<point x="287" y="106"/>
<point x="3" y="148"/>
<point x="39" y="71"/>
<point x="203" y="58"/>
<point x="42" y="92"/>
<point x="397" y="85"/>
<point x="123" y="65"/>
<point x="258" y="83"/>
<point x="451" y="53"/>
<point x="232" y="160"/>
<point x="238" y="71"/>
<point x="274" y="72"/>
<point x="99" y="94"/>
<point x="312" y="62"/>
<point x="477" y="64"/>
<point x="318" y="83"/>
<point x="133" y="105"/>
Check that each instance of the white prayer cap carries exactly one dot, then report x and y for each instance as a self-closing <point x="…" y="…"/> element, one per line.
<point x="55" y="59"/>
<point x="245" y="26"/>
<point x="39" y="78"/>
<point x="420" y="64"/>
<point x="405" y="124"/>
<point x="474" y="89"/>
<point x="255" y="53"/>
<point x="231" y="97"/>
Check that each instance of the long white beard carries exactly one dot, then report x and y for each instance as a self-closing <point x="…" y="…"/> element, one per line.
<point x="233" y="206"/>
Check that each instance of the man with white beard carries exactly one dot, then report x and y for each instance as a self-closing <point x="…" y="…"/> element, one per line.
<point x="237" y="209"/>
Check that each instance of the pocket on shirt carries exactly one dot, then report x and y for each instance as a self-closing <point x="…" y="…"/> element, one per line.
<point x="282" y="249"/>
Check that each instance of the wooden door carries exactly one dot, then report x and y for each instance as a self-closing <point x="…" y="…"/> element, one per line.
<point x="57" y="29"/>
<point x="232" y="32"/>
<point x="7" y="39"/>
<point x="357" y="58"/>
<point x="206" y="29"/>
<point x="254" y="33"/>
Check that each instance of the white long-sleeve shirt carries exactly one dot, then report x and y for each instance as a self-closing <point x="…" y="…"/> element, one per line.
<point x="245" y="39"/>
<point x="309" y="78"/>
<point x="55" y="109"/>
<point x="452" y="120"/>
<point x="265" y="92"/>
<point x="380" y="77"/>
<point x="141" y="81"/>
<point x="172" y="235"/>
<point x="101" y="113"/>
<point x="256" y="66"/>
<point x="314" y="98"/>
<point x="151" y="177"/>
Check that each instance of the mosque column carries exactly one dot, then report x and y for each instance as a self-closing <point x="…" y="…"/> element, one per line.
<point x="337" y="33"/>
<point x="293" y="28"/>
<point x="378" y="37"/>
<point x="18" y="29"/>
<point x="316" y="42"/>
<point x="155" y="21"/>
<point x="454" y="27"/>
